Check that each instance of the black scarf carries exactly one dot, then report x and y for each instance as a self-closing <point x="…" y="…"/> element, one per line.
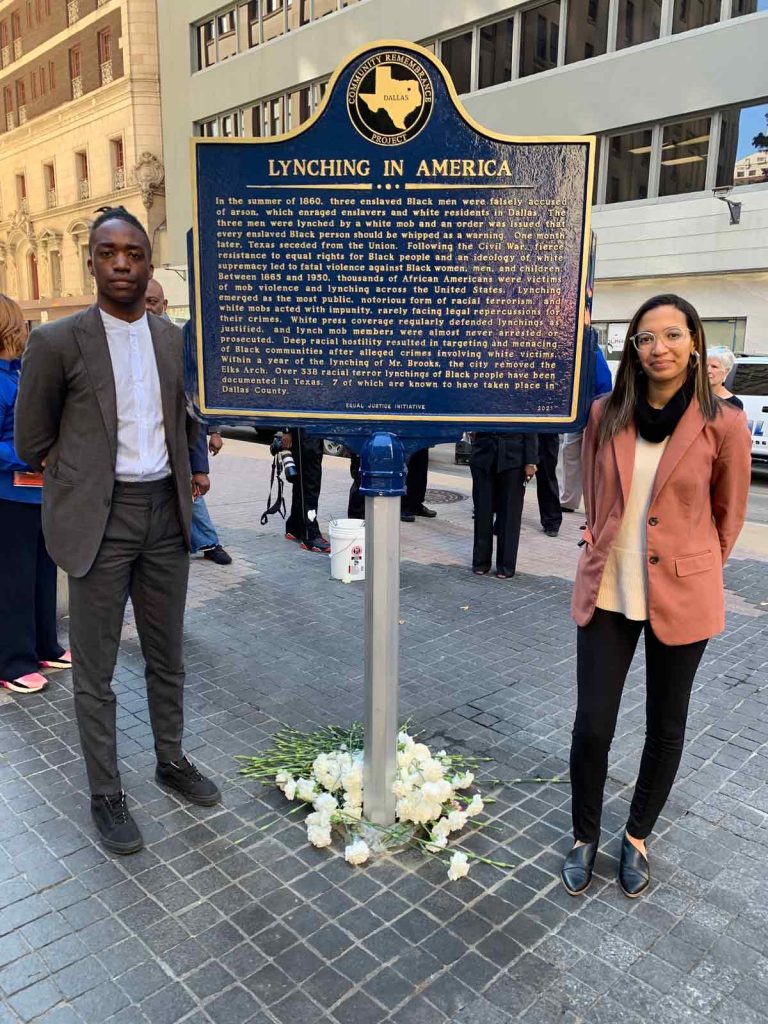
<point x="655" y="424"/>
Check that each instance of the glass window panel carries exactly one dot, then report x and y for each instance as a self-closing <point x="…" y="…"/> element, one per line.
<point x="741" y="7"/>
<point x="495" y="53"/>
<point x="206" y="45"/>
<point x="743" y="157"/>
<point x="688" y="14"/>
<point x="629" y="157"/>
<point x="587" y="33"/>
<point x="456" y="54"/>
<point x="684" y="150"/>
<point x="252" y="121"/>
<point x="639" y="22"/>
<point x="540" y="29"/>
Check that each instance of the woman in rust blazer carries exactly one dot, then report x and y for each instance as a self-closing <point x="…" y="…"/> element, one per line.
<point x="666" y="470"/>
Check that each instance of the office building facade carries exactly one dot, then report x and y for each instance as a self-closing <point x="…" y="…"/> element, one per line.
<point x="79" y="130"/>
<point x="675" y="91"/>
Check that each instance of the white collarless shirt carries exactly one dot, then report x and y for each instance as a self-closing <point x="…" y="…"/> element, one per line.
<point x="142" y="453"/>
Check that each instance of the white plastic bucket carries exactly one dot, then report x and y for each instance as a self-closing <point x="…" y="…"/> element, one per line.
<point x="347" y="537"/>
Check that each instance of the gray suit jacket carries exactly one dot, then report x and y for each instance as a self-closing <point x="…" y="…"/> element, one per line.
<point x="66" y="413"/>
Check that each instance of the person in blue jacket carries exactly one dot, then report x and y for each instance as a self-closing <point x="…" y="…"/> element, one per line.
<point x="28" y="640"/>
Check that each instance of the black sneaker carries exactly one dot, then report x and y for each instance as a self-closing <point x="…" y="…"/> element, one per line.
<point x="184" y="778"/>
<point x="218" y="555"/>
<point x="119" y="832"/>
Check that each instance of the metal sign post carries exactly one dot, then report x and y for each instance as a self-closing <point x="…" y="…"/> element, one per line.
<point x="382" y="476"/>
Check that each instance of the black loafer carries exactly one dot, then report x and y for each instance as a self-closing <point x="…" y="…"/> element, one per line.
<point x="184" y="778"/>
<point x="426" y="513"/>
<point x="119" y="832"/>
<point x="634" y="870"/>
<point x="576" y="872"/>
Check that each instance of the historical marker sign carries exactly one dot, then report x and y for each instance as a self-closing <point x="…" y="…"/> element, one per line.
<point x="392" y="263"/>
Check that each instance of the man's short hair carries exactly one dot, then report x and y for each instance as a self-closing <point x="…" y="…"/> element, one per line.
<point x="106" y="213"/>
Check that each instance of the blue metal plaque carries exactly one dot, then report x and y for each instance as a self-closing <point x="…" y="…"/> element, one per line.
<point x="392" y="265"/>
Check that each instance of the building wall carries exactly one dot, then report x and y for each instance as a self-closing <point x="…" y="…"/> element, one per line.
<point x="127" y="110"/>
<point x="674" y="77"/>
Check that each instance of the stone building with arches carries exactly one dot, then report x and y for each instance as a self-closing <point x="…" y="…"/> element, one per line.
<point x="79" y="129"/>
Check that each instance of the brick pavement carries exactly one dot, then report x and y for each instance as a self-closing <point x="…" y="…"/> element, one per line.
<point x="216" y="921"/>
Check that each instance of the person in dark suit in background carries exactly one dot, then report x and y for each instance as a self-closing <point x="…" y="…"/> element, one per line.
<point x="101" y="407"/>
<point x="501" y="466"/>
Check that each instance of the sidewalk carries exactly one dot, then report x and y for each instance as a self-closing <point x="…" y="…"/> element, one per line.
<point x="217" y="922"/>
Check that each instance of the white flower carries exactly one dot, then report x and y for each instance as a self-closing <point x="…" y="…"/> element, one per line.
<point x="405" y="758"/>
<point x="404" y="739"/>
<point x="401" y="788"/>
<point x="306" y="789"/>
<point x="325" y="803"/>
<point x="432" y="771"/>
<point x="475" y="806"/>
<point x="353" y="810"/>
<point x="457" y="820"/>
<point x="421" y="752"/>
<point x="459" y="866"/>
<point x="290" y="789"/>
<point x="438" y="792"/>
<point x="463" y="781"/>
<point x="318" y="819"/>
<point x="437" y="843"/>
<point x="441" y="828"/>
<point x="282" y="778"/>
<point x="319" y="836"/>
<point x="357" y="852"/>
<point x="352" y="778"/>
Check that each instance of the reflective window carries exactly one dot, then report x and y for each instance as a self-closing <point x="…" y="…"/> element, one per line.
<point x="495" y="53"/>
<point x="252" y="121"/>
<point x="629" y="158"/>
<point x="743" y="156"/>
<point x="741" y="7"/>
<point x="639" y="22"/>
<point x="206" y="45"/>
<point x="750" y="378"/>
<point x="540" y="35"/>
<point x="587" y="32"/>
<point x="456" y="54"/>
<point x="209" y="129"/>
<point x="684" y="150"/>
<point x="688" y="14"/>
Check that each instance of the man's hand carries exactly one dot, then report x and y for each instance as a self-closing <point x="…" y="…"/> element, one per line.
<point x="530" y="471"/>
<point x="287" y="441"/>
<point x="215" y="444"/>
<point x="200" y="485"/>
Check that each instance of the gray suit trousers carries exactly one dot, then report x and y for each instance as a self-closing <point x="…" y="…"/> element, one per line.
<point x="143" y="556"/>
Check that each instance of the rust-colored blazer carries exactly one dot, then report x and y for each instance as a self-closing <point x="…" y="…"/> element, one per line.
<point x="698" y="505"/>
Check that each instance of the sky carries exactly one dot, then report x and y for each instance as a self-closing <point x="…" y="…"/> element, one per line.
<point x="751" y="122"/>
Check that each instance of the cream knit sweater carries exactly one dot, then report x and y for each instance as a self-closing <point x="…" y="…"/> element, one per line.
<point x="624" y="586"/>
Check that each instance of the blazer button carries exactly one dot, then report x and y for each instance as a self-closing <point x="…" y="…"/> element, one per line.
<point x="653" y="559"/>
<point x="653" y="521"/>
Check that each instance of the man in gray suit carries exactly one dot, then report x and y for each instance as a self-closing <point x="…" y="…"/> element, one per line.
<point x="101" y="408"/>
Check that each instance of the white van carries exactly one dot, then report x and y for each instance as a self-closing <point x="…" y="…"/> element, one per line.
<point x="749" y="381"/>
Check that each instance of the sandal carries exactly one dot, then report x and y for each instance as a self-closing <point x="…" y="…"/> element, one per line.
<point x="32" y="682"/>
<point x="65" y="661"/>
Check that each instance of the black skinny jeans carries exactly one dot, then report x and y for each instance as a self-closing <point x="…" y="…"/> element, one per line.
<point x="604" y="652"/>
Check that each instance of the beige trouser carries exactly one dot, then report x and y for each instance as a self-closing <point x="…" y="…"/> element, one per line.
<point x="570" y="470"/>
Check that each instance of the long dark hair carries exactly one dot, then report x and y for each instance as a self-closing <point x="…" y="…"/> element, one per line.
<point x="619" y="408"/>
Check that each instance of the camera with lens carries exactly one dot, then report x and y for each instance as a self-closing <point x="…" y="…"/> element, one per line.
<point x="283" y="457"/>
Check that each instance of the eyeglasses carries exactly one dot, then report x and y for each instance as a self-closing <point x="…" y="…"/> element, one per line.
<point x="671" y="336"/>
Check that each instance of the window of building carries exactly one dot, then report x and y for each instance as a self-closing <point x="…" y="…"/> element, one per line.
<point x="539" y="38"/>
<point x="230" y="125"/>
<point x="629" y="159"/>
<point x="209" y="129"/>
<point x="21" y="93"/>
<point x="743" y="154"/>
<point x="117" y="161"/>
<point x="252" y="18"/>
<point x="49" y="184"/>
<point x="75" y="78"/>
<point x="742" y="7"/>
<point x="4" y="41"/>
<point x="8" y="101"/>
<point x="456" y="55"/>
<point x="275" y="116"/>
<point x="639" y="22"/>
<point x="587" y="29"/>
<point x="34" y="281"/>
<point x="54" y="265"/>
<point x="33" y="84"/>
<point x="16" y="26"/>
<point x="21" y="189"/>
<point x="495" y="53"/>
<point x="105" y="56"/>
<point x="42" y="75"/>
<point x="29" y="13"/>
<point x="252" y="121"/>
<point x="688" y="14"/>
<point x="206" y="45"/>
<point x="51" y="75"/>
<point x="226" y="27"/>
<point x="684" y="150"/>
<point x="39" y="10"/>
<point x="81" y="175"/>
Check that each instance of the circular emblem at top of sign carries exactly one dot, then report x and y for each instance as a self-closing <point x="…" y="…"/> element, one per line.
<point x="390" y="97"/>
